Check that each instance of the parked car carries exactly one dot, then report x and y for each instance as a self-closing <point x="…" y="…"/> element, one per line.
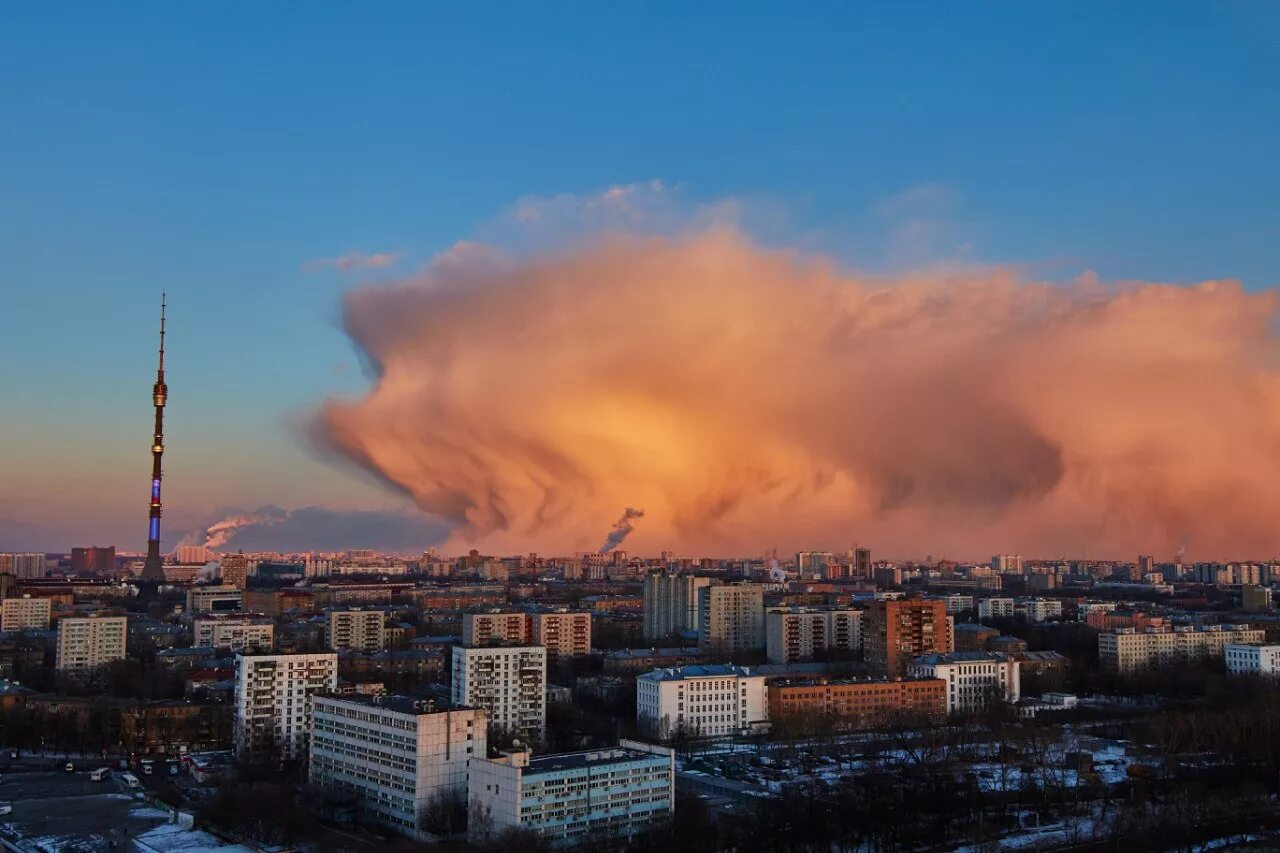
<point x="70" y="767"/>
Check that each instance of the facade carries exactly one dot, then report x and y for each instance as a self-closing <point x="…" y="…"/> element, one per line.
<point x="857" y="703"/>
<point x="671" y="604"/>
<point x="273" y="700"/>
<point x="23" y="565"/>
<point x="202" y="599"/>
<point x="398" y="756"/>
<point x="1127" y="650"/>
<point x="507" y="682"/>
<point x="234" y="570"/>
<point x="1256" y="599"/>
<point x="94" y="559"/>
<point x="731" y="618"/>
<point x="1253" y="660"/>
<point x="363" y="630"/>
<point x="996" y="608"/>
<point x="701" y="701"/>
<point x="798" y="633"/>
<point x="87" y="643"/>
<point x="25" y="614"/>
<point x="235" y="631"/>
<point x="975" y="680"/>
<point x="895" y="632"/>
<point x="563" y="633"/>
<point x="496" y="627"/>
<point x="572" y="797"/>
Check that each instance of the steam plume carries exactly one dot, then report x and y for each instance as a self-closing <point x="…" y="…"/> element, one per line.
<point x="751" y="398"/>
<point x="621" y="529"/>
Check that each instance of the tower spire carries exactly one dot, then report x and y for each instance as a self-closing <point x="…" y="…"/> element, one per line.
<point x="153" y="569"/>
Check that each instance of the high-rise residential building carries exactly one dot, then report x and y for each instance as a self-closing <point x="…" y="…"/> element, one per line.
<point x="563" y="633"/>
<point x="731" y="618"/>
<point x="508" y="682"/>
<point x="814" y="563"/>
<point x="1008" y="564"/>
<point x="798" y="633"/>
<point x="857" y="703"/>
<point x="701" y="701"/>
<point x="356" y="628"/>
<point x="25" y="614"/>
<point x="86" y="643"/>
<point x="191" y="555"/>
<point x="975" y="680"/>
<point x="400" y="757"/>
<point x="862" y="563"/>
<point x="572" y="797"/>
<point x="1146" y="565"/>
<point x="1127" y="650"/>
<point x="23" y="565"/>
<point x="671" y="603"/>
<point x="273" y="701"/>
<point x="894" y="632"/>
<point x="93" y="560"/>
<point x="234" y="570"/>
<point x="496" y="626"/>
<point x="222" y="599"/>
<point x="237" y="632"/>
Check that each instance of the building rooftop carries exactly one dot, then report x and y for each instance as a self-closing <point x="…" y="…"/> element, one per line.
<point x="961" y="657"/>
<point x="399" y="704"/>
<point x="701" y="671"/>
<point x="578" y="760"/>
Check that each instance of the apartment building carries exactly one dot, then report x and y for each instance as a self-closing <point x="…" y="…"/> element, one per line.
<point x="496" y="627"/>
<point x="25" y="614"/>
<point x="1030" y="609"/>
<point x="798" y="633"/>
<point x="975" y="680"/>
<point x="671" y="604"/>
<point x="508" y="682"/>
<point x="273" y="701"/>
<point x="234" y="570"/>
<point x="563" y="633"/>
<point x="237" y="632"/>
<point x="701" y="701"/>
<point x="570" y="797"/>
<point x="87" y="643"/>
<point x="896" y="632"/>
<point x="1253" y="660"/>
<point x="202" y="599"/>
<point x="857" y="703"/>
<point x="356" y="628"/>
<point x="731" y="618"/>
<point x="398" y="756"/>
<point x="1130" y="649"/>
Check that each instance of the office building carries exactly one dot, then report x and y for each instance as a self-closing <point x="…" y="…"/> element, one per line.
<point x="975" y="680"/>
<point x="799" y="633"/>
<point x="671" y="604"/>
<point x="87" y="643"/>
<point x="701" y="701"/>
<point x="356" y="628"/>
<point x="218" y="599"/>
<point x="895" y="632"/>
<point x="563" y="633"/>
<point x="731" y="618"/>
<point x="857" y="703"/>
<point x="1252" y="660"/>
<point x="235" y="632"/>
<point x="273" y="701"/>
<point x="1126" y="650"/>
<point x="572" y="797"/>
<point x="25" y="614"/>
<point x="399" y="757"/>
<point x="508" y="682"/>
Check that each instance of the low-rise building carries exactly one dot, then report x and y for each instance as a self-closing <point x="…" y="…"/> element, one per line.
<point x="25" y="614"/>
<point x="857" y="703"/>
<point x="702" y="701"/>
<point x="1252" y="660"/>
<point x="1127" y="650"/>
<point x="975" y="680"/>
<point x="235" y="632"/>
<point x="201" y="599"/>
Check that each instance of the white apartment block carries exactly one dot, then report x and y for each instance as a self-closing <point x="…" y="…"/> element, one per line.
<point x="671" y="604"/>
<point x="798" y="633"/>
<point x="203" y="599"/>
<point x="490" y="627"/>
<point x="572" y="797"/>
<point x="1030" y="609"/>
<point x="959" y="603"/>
<point x="25" y="614"/>
<point x="975" y="680"/>
<point x="731" y="618"/>
<point x="995" y="608"/>
<point x="273" y="700"/>
<point x="235" y="631"/>
<point x="563" y="633"/>
<point x="398" y="756"/>
<point x="1252" y="660"/>
<point x="1129" y="649"/>
<point x="88" y="643"/>
<point x="701" y="701"/>
<point x="508" y="682"/>
<point x="356" y="628"/>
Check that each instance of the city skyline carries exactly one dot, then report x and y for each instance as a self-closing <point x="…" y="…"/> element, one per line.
<point x="835" y="179"/>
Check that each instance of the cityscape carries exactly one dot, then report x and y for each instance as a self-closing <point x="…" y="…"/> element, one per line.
<point x="639" y="516"/>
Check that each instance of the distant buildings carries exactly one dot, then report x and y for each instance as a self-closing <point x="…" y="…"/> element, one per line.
<point x="857" y="703"/>
<point x="93" y="560"/>
<point x="1126" y="650"/>
<point x="356" y="628"/>
<point x="563" y="633"/>
<point x="572" y="797"/>
<point x="190" y="554"/>
<point x="234" y="570"/>
<point x="400" y="757"/>
<point x="671" y="604"/>
<point x="85" y="644"/>
<point x="731" y="618"/>
<point x="798" y="633"/>
<point x="975" y="680"/>
<point x="495" y="626"/>
<point x="508" y="682"/>
<point x="1030" y="609"/>
<point x="235" y="632"/>
<point x="25" y="614"/>
<point x="23" y="565"/>
<point x="1256" y="599"/>
<point x="273" y="701"/>
<point x="701" y="701"/>
<point x="201" y="599"/>
<point x="895" y="632"/>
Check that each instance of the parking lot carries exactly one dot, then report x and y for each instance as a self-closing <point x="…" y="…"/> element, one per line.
<point x="59" y="811"/>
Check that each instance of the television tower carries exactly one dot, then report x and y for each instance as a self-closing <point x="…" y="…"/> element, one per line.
<point x="153" y="569"/>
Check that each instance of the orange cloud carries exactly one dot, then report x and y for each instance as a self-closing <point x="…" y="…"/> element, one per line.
<point x="750" y="399"/>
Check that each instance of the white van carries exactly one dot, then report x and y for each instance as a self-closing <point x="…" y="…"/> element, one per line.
<point x="131" y="780"/>
<point x="100" y="774"/>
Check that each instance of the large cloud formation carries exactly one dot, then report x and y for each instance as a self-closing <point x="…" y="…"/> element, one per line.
<point x="751" y="398"/>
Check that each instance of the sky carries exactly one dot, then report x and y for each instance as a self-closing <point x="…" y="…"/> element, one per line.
<point x="259" y="161"/>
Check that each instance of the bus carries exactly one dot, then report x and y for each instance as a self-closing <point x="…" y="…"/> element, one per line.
<point x="131" y="780"/>
<point x="100" y="774"/>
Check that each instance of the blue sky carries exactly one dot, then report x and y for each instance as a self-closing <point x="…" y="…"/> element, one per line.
<point x="214" y="150"/>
